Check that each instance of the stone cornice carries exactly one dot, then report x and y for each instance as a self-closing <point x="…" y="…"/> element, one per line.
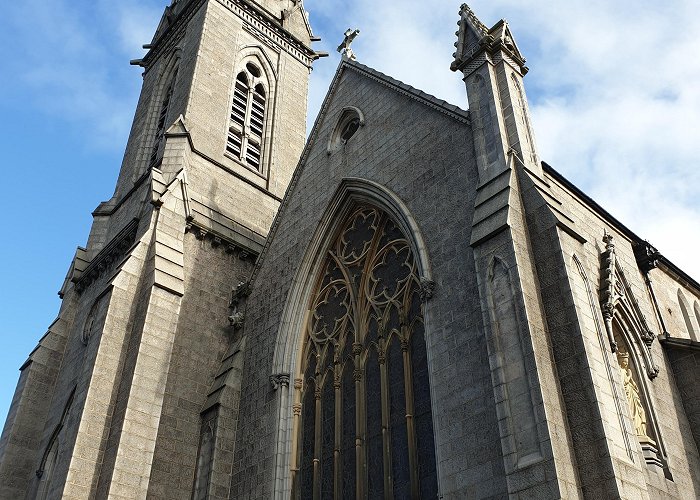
<point x="261" y="25"/>
<point x="107" y="258"/>
<point x="247" y="250"/>
<point x="679" y="343"/>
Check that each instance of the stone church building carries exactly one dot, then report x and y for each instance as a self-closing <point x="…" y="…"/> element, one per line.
<point x="409" y="304"/>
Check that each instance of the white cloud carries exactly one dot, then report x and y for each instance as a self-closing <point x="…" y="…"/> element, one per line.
<point x="64" y="58"/>
<point x="613" y="89"/>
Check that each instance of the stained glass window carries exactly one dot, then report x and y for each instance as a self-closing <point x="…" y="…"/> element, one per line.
<point x="366" y="426"/>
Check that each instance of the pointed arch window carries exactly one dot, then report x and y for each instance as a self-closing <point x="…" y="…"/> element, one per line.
<point x="162" y="121"/>
<point x="48" y="461"/>
<point x="685" y="311"/>
<point x="365" y="422"/>
<point x="247" y="120"/>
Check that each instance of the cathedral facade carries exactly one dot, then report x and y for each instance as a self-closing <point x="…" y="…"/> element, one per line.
<point x="410" y="303"/>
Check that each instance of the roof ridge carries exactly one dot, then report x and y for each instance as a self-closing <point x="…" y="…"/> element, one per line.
<point x="413" y="92"/>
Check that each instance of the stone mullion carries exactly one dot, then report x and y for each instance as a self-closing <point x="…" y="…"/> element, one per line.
<point x="246" y="122"/>
<point x="297" y="424"/>
<point x="410" y="412"/>
<point x="317" y="439"/>
<point x="360" y="424"/>
<point x="337" y="473"/>
<point x="386" y="437"/>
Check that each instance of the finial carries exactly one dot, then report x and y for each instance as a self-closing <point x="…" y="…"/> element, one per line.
<point x="344" y="47"/>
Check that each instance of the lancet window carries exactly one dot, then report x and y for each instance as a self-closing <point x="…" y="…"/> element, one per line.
<point x="247" y="120"/>
<point x="685" y="311"/>
<point x="365" y="425"/>
<point x="160" y="127"/>
<point x="50" y="457"/>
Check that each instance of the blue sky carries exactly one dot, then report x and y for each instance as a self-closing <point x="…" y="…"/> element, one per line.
<point x="612" y="88"/>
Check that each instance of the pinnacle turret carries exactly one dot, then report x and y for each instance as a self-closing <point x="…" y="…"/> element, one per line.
<point x="473" y="38"/>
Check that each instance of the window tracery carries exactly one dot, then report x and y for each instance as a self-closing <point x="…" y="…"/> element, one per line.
<point x="247" y="120"/>
<point x="366" y="424"/>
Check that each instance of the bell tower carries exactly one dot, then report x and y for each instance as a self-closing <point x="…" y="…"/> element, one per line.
<point x="109" y="403"/>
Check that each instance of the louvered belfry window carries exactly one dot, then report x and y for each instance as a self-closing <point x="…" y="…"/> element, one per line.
<point x="365" y="423"/>
<point x="247" y="120"/>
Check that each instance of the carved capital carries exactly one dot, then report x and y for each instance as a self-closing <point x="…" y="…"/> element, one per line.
<point x="357" y="375"/>
<point x="357" y="349"/>
<point x="279" y="380"/>
<point x="427" y="289"/>
<point x="298" y="383"/>
<point x="296" y="409"/>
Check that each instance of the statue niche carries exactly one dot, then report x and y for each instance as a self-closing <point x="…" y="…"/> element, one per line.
<point x="634" y="398"/>
<point x="638" y="401"/>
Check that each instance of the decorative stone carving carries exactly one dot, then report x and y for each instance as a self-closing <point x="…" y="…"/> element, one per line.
<point x="110" y="255"/>
<point x="616" y="295"/>
<point x="279" y="380"/>
<point x="427" y="289"/>
<point x="236" y="320"/>
<point x="647" y="256"/>
<point x="238" y="296"/>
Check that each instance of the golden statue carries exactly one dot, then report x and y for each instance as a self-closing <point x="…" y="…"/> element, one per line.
<point x="639" y="415"/>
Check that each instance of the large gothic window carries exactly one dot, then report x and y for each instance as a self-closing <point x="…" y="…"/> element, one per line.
<point x="366" y="427"/>
<point x="247" y="120"/>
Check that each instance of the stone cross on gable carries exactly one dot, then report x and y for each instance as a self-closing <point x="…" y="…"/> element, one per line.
<point x="344" y="47"/>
